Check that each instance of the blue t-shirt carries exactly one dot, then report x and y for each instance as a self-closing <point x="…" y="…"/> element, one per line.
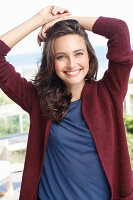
<point x="72" y="169"/>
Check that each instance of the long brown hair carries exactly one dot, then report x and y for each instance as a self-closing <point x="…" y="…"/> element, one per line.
<point x="54" y="96"/>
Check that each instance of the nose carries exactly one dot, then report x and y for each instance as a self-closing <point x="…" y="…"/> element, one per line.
<point x="71" y="63"/>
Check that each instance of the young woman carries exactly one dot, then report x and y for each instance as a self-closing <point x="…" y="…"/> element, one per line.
<point x="77" y="147"/>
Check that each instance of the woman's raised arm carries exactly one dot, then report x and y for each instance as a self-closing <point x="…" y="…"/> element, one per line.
<point x="86" y="22"/>
<point x="44" y="16"/>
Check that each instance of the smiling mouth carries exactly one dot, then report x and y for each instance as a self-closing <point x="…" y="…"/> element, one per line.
<point x="73" y="73"/>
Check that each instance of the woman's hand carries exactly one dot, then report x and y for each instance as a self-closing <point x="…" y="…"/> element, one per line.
<point x="50" y="13"/>
<point x="86" y="22"/>
<point x="42" y="34"/>
<point x="46" y="15"/>
<point x="49" y="16"/>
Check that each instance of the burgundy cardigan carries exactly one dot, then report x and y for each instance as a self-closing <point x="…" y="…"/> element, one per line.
<point x="102" y="107"/>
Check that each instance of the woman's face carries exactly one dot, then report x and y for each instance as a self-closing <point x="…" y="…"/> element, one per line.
<point x="71" y="59"/>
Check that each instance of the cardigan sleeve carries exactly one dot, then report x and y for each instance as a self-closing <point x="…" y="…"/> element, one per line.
<point x="119" y="54"/>
<point x="13" y="85"/>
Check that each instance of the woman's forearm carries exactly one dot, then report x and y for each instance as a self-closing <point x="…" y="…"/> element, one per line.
<point x="46" y="15"/>
<point x="12" y="37"/>
<point x="86" y="22"/>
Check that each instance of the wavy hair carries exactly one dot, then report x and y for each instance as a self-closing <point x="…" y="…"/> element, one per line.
<point x="54" y="96"/>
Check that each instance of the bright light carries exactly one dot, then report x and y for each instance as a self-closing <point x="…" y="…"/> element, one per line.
<point x="14" y="12"/>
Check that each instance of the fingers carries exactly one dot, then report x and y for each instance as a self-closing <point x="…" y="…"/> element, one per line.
<point x="51" y="23"/>
<point x="58" y="14"/>
<point x="58" y="10"/>
<point x="41" y="37"/>
<point x="42" y="34"/>
<point x="50" y="13"/>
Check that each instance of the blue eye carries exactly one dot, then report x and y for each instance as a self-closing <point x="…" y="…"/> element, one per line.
<point x="79" y="54"/>
<point x="60" y="57"/>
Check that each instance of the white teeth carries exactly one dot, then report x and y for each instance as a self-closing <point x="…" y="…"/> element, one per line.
<point x="72" y="73"/>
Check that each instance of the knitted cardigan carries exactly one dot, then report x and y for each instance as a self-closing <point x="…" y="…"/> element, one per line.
<point x="102" y="107"/>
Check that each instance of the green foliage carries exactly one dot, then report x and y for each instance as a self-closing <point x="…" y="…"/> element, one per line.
<point x="130" y="147"/>
<point x="26" y="122"/>
<point x="130" y="80"/>
<point x="128" y="120"/>
<point x="4" y="99"/>
<point x="10" y="125"/>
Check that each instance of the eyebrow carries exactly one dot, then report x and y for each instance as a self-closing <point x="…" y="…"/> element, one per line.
<point x="58" y="53"/>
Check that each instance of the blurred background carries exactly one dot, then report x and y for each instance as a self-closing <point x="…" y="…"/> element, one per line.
<point x="25" y="56"/>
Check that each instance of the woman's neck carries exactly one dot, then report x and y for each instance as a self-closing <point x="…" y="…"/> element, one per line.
<point x="76" y="91"/>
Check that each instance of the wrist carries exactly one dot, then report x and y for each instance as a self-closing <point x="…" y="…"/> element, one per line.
<point x="37" y="21"/>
